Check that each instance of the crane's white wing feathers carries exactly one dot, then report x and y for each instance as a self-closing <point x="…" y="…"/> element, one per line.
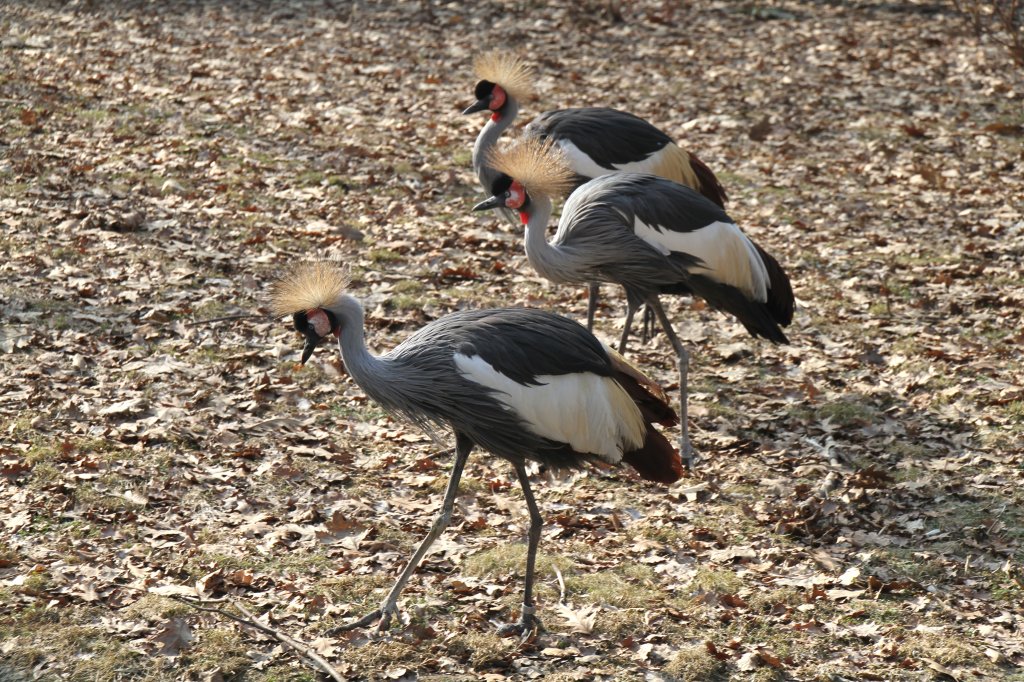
<point x="593" y="414"/>
<point x="583" y="165"/>
<point x="728" y="255"/>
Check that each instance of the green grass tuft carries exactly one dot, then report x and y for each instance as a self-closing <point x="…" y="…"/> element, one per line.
<point x="722" y="582"/>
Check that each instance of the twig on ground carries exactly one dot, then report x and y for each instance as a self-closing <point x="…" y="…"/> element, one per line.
<point x="304" y="651"/>
<point x="225" y="318"/>
<point x="447" y="452"/>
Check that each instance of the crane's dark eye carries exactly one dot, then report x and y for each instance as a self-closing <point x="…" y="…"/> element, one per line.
<point x="483" y="89"/>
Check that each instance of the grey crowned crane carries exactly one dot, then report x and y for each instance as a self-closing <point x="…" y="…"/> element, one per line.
<point x="596" y="140"/>
<point x="522" y="384"/>
<point x="647" y="234"/>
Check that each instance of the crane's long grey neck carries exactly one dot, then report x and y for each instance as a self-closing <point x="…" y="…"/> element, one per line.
<point x="363" y="366"/>
<point x="550" y="261"/>
<point x="386" y="380"/>
<point x="486" y="140"/>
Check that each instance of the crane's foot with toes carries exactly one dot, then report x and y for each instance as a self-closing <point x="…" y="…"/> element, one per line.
<point x="688" y="455"/>
<point x="528" y="623"/>
<point x="381" y="616"/>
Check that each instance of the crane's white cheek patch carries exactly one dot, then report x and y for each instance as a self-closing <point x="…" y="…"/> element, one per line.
<point x="319" y="321"/>
<point x="728" y="256"/>
<point x="592" y="414"/>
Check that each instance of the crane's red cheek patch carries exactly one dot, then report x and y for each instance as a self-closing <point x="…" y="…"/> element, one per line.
<point x="516" y="196"/>
<point x="497" y="99"/>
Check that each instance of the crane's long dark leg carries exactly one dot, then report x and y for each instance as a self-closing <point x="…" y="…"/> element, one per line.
<point x="527" y="620"/>
<point x="648" y="330"/>
<point x="389" y="606"/>
<point x="683" y="362"/>
<point x="593" y="294"/>
<point x="631" y="308"/>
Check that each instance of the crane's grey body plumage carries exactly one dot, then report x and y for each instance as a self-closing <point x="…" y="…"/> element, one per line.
<point x="653" y="199"/>
<point x="596" y="250"/>
<point x="596" y="241"/>
<point x="522" y="344"/>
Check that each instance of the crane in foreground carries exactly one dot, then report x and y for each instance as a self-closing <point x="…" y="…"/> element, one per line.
<point x="647" y="234"/>
<point x="522" y="384"/>
<point x="596" y="141"/>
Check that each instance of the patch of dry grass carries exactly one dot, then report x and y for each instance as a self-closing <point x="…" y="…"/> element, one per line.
<point x="696" y="663"/>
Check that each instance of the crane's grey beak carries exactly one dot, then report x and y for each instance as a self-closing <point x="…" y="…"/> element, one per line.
<point x="479" y="105"/>
<point x="312" y="341"/>
<point x="493" y="202"/>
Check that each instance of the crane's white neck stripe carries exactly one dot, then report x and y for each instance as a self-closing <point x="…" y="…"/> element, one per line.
<point x="591" y="413"/>
<point x="728" y="255"/>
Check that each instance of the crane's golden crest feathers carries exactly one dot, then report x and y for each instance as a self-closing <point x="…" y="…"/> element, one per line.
<point x="541" y="167"/>
<point x="316" y="284"/>
<point x="508" y="70"/>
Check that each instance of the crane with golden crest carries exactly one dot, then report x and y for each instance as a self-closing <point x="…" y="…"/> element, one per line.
<point x="522" y="384"/>
<point x="596" y="140"/>
<point x="650" y="235"/>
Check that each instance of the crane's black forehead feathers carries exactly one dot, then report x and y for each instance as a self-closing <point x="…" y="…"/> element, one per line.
<point x="300" y="321"/>
<point x="500" y="184"/>
<point x="483" y="89"/>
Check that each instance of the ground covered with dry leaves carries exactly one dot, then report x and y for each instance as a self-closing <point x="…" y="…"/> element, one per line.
<point x="857" y="512"/>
